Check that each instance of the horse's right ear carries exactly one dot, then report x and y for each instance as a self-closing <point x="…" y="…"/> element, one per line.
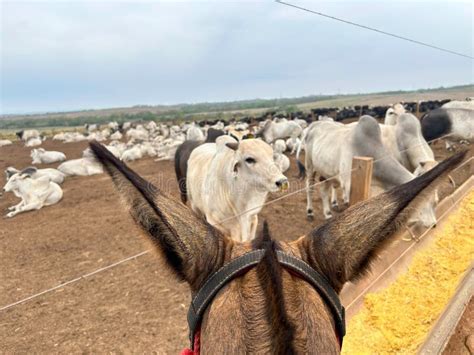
<point x="192" y="248"/>
<point x="344" y="247"/>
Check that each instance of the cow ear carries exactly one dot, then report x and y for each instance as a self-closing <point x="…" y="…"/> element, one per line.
<point x="192" y="248"/>
<point x="235" y="168"/>
<point x="344" y="247"/>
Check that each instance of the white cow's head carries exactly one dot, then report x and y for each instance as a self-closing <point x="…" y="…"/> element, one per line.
<point x="390" y="117"/>
<point x="426" y="214"/>
<point x="9" y="172"/>
<point x="15" y="181"/>
<point x="253" y="164"/>
<point x="424" y="166"/>
<point x="36" y="154"/>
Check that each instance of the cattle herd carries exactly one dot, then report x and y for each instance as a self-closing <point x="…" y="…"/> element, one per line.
<point x="225" y="170"/>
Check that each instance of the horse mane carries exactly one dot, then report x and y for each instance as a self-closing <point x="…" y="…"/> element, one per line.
<point x="269" y="273"/>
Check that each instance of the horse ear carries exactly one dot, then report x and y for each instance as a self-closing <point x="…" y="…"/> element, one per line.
<point x="192" y="248"/>
<point x="344" y="247"/>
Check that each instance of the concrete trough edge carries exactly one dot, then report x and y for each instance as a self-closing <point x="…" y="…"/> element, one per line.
<point x="445" y="326"/>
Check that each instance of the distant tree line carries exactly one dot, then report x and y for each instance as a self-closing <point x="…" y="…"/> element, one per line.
<point x="182" y="112"/>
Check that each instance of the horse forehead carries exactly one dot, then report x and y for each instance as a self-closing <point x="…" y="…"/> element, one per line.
<point x="255" y="147"/>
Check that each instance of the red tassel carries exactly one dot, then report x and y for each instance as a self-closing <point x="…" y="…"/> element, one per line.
<point x="197" y="344"/>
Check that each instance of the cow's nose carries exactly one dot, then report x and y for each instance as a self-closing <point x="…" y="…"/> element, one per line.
<point x="282" y="184"/>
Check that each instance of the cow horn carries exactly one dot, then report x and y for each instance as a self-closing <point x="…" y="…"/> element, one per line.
<point x="232" y="145"/>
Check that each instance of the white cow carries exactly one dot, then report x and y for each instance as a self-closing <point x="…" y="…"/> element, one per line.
<point x="114" y="126"/>
<point x="292" y="144"/>
<point x="137" y="133"/>
<point x="33" y="142"/>
<point x="303" y="124"/>
<point x="281" y="160"/>
<point x="451" y="123"/>
<point x="133" y="153"/>
<point x="72" y="137"/>
<point x="61" y="136"/>
<point x="41" y="156"/>
<point x="91" y="127"/>
<point x="116" y="135"/>
<point x="151" y="126"/>
<point x="5" y="142"/>
<point x="330" y="147"/>
<point x="228" y="182"/>
<point x="392" y="114"/>
<point x="28" y="134"/>
<point x="467" y="104"/>
<point x="116" y="150"/>
<point x="194" y="133"/>
<point x="406" y="144"/>
<point x="272" y="131"/>
<point x="34" y="193"/>
<point x="53" y="174"/>
<point x="81" y="167"/>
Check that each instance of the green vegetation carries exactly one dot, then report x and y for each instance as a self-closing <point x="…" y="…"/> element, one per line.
<point x="199" y="111"/>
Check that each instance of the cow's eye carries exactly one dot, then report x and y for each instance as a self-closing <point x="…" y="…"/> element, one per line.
<point x="250" y="161"/>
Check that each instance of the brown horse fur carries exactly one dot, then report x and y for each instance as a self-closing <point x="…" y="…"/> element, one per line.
<point x="269" y="310"/>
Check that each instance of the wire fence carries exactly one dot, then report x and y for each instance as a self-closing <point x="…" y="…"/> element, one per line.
<point x="424" y="44"/>
<point x="85" y="276"/>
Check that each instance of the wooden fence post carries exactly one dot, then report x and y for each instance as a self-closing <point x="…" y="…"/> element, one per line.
<point x="361" y="178"/>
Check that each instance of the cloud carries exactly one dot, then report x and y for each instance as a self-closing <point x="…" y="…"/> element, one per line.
<point x="62" y="55"/>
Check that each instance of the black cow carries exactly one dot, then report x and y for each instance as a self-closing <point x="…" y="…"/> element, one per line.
<point x="182" y="156"/>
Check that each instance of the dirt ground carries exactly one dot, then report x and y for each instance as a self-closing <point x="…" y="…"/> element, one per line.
<point x="135" y="307"/>
<point x="462" y="341"/>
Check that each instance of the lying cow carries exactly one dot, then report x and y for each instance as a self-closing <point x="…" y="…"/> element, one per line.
<point x="116" y="135"/>
<point x="228" y="182"/>
<point x="34" y="193"/>
<point x="457" y="124"/>
<point x="5" y="142"/>
<point x="28" y="134"/>
<point x="85" y="166"/>
<point x="53" y="174"/>
<point x="182" y="156"/>
<point x="41" y="156"/>
<point x="33" y="142"/>
<point x="330" y="147"/>
<point x="91" y="127"/>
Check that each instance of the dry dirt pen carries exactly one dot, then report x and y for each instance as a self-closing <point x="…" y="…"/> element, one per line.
<point x="134" y="307"/>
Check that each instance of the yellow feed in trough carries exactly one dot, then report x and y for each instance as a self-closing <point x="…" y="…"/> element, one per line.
<point x="398" y="319"/>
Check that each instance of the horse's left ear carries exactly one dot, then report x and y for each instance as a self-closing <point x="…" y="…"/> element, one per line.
<point x="192" y="248"/>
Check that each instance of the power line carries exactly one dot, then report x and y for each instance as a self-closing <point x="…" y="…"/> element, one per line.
<point x="375" y="30"/>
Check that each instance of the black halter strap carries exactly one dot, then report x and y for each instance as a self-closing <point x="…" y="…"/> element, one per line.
<point x="245" y="262"/>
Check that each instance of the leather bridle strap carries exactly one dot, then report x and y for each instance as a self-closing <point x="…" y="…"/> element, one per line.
<point x="214" y="283"/>
<point x="236" y="267"/>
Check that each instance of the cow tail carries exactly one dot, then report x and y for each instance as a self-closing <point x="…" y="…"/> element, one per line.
<point x="301" y="169"/>
<point x="181" y="178"/>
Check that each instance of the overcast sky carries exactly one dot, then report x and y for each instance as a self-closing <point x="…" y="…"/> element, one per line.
<point x="64" y="55"/>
